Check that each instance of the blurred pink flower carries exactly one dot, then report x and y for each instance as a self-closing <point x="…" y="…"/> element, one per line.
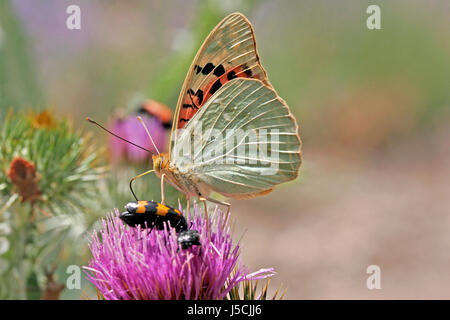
<point x="130" y="128"/>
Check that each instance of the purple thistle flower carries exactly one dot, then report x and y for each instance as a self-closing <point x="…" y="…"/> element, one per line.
<point x="133" y="263"/>
<point x="156" y="117"/>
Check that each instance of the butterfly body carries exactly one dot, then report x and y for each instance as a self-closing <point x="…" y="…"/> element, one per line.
<point x="185" y="182"/>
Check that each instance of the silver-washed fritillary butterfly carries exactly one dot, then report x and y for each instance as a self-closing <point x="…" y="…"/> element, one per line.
<point x="227" y="91"/>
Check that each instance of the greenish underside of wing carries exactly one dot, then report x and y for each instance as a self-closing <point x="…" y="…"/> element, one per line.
<point x="243" y="140"/>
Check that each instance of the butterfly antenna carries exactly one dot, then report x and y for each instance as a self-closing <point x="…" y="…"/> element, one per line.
<point x="148" y="133"/>
<point x="115" y="135"/>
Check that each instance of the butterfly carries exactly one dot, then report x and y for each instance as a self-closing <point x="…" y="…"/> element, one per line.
<point x="226" y="90"/>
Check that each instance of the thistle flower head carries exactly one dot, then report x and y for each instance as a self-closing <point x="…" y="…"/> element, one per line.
<point x="133" y="263"/>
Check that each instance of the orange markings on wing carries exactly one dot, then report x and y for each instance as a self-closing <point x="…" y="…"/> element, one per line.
<point x="195" y="100"/>
<point x="246" y="196"/>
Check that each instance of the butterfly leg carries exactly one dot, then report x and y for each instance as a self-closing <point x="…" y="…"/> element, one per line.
<point x="138" y="176"/>
<point x="162" y="188"/>
<point x="188" y="206"/>
<point x="223" y="203"/>
<point x="206" y="215"/>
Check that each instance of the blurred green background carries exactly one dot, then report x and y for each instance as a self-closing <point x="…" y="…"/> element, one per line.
<point x="372" y="106"/>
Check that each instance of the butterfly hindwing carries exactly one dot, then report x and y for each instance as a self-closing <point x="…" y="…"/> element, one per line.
<point x="228" y="52"/>
<point x="246" y="167"/>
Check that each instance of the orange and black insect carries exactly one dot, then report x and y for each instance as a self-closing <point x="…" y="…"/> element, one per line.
<point x="151" y="214"/>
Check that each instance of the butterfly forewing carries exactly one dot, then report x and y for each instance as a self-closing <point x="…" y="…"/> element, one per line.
<point x="242" y="142"/>
<point x="228" y="52"/>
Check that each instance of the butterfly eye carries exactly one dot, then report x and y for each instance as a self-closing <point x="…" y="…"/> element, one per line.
<point x="157" y="162"/>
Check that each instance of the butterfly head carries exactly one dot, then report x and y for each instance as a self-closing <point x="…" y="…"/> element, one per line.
<point x="160" y="161"/>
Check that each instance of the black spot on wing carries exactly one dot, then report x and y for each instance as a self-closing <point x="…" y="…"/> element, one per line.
<point x="247" y="70"/>
<point x="216" y="86"/>
<point x="187" y="106"/>
<point x="197" y="69"/>
<point x="184" y="120"/>
<point x="219" y="70"/>
<point x="231" y="75"/>
<point x="208" y="68"/>
<point x="199" y="95"/>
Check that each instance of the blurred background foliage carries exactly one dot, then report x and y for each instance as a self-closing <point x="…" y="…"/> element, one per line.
<point x="18" y="85"/>
<point x="372" y="106"/>
<point x="48" y="177"/>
